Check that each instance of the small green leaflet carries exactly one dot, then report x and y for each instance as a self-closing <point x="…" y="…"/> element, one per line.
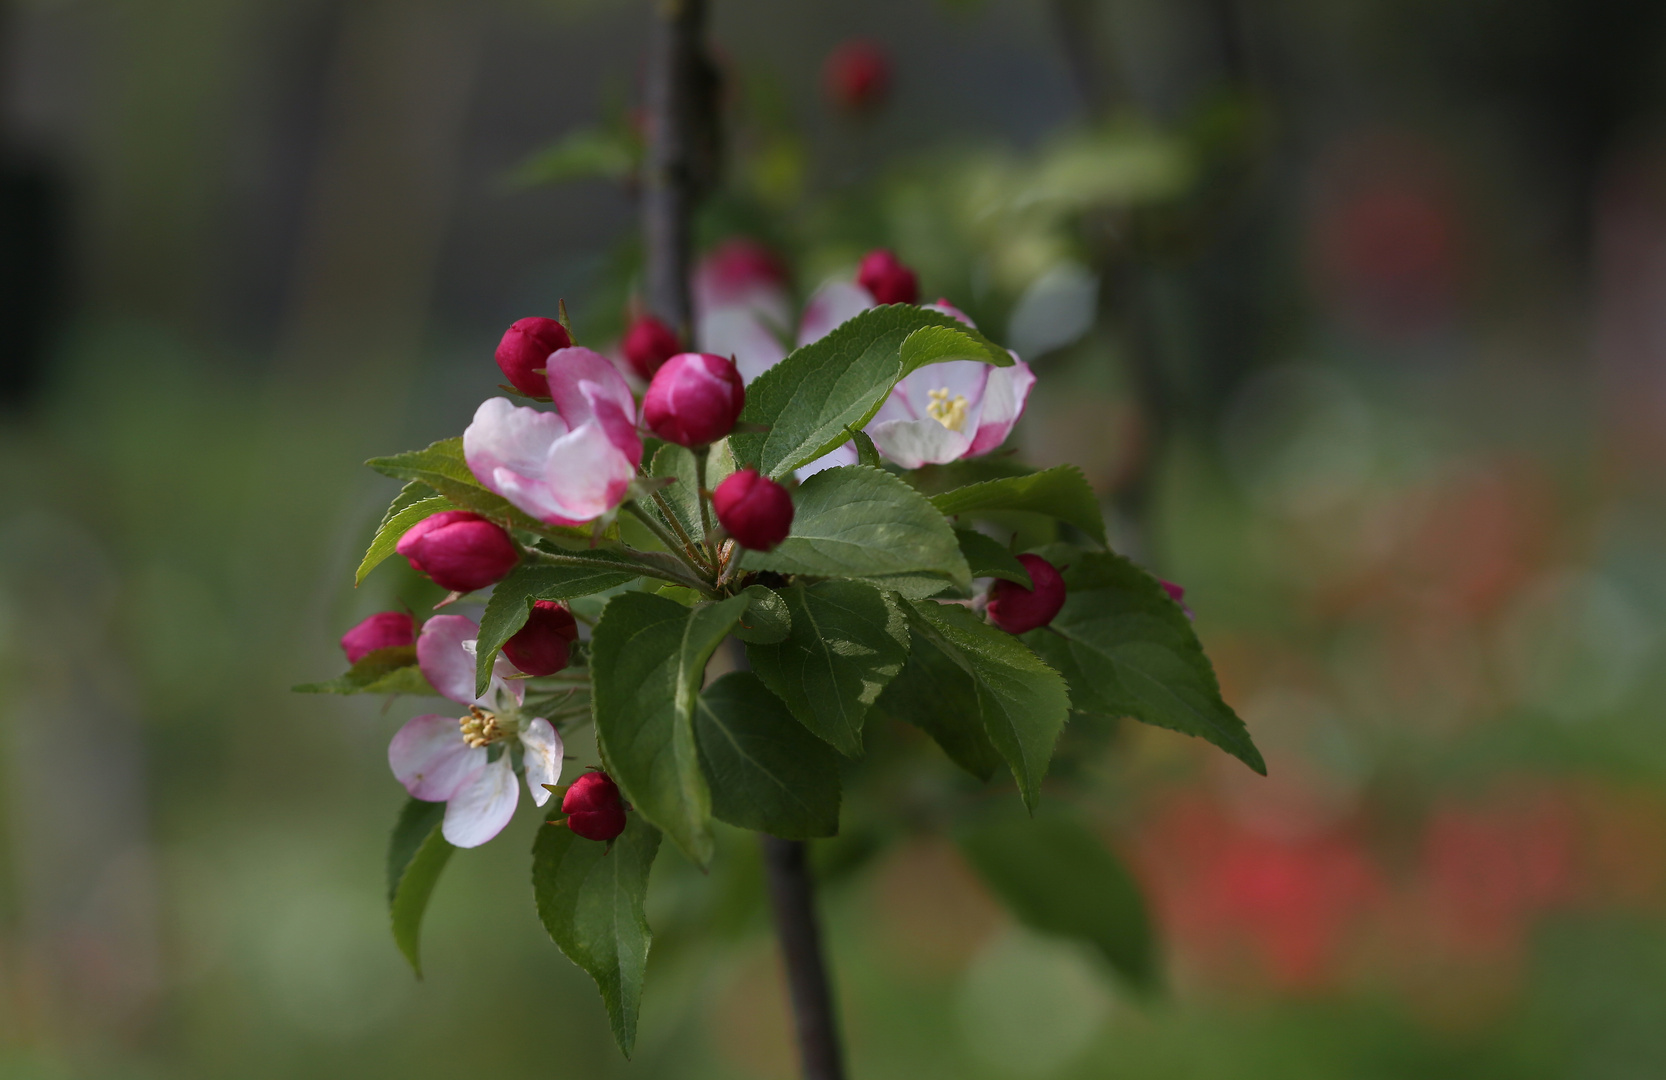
<point x="768" y="620"/>
<point x="512" y="599"/>
<point x="385" y="671"/>
<point x="810" y="399"/>
<point x="848" y="641"/>
<point x="590" y="899"/>
<point x="1022" y="702"/>
<point x="608" y="153"/>
<point x="935" y="694"/>
<point x="988" y="558"/>
<point x="441" y="467"/>
<point x="673" y="461"/>
<point x="861" y="522"/>
<point x="414" y="503"/>
<point x="767" y="773"/>
<point x="1056" y="877"/>
<point x="1128" y="650"/>
<point x="647" y="661"/>
<point x="416" y="855"/>
<point x="1061" y="492"/>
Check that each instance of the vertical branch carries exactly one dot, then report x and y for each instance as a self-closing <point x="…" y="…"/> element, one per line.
<point x="681" y="155"/>
<point x="792" y="894"/>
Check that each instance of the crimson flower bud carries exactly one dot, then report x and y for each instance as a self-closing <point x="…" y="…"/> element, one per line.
<point x="459" y="550"/>
<point x="1178" y="595"/>
<point x="648" y="344"/>
<point x="540" y="647"/>
<point x="884" y="275"/>
<point x="694" y="399"/>
<point x="526" y="348"/>
<point x="593" y="807"/>
<point x="757" y="511"/>
<point x="857" y="75"/>
<point x="384" y="630"/>
<point x="1018" y="610"/>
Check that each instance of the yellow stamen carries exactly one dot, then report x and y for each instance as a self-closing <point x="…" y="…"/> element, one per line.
<point x="481" y="728"/>
<point x="950" y="412"/>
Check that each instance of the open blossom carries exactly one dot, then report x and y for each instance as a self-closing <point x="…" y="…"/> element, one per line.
<point x="450" y="760"/>
<point x="742" y="305"/>
<point x="565" y="467"/>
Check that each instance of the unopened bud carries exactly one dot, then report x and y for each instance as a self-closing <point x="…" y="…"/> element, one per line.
<point x="755" y="510"/>
<point x="1178" y="595"/>
<point x="384" y="630"/>
<point x="1018" y="610"/>
<point x="884" y="275"/>
<point x="694" y="399"/>
<point x="525" y="350"/>
<point x="540" y="647"/>
<point x="593" y="807"/>
<point x="857" y="76"/>
<point x="459" y="550"/>
<point x="648" y="344"/>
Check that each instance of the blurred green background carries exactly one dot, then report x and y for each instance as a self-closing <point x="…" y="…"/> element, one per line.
<point x="1353" y="310"/>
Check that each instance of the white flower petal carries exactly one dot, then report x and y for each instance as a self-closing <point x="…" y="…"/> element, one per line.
<point x="587" y="474"/>
<point x="480" y="808"/>
<point x="912" y="443"/>
<point x="543" y="758"/>
<point x="843" y="455"/>
<point x="508" y="438"/>
<point x="428" y="755"/>
<point x="738" y="332"/>
<point x="833" y="303"/>
<point x="445" y="661"/>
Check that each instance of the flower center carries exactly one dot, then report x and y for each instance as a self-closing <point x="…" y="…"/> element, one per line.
<point x="481" y="728"/>
<point x="946" y="410"/>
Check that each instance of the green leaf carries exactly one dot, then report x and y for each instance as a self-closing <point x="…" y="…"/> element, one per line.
<point x="935" y="694"/>
<point x="582" y="154"/>
<point x="767" y="773"/>
<point x="1061" y="492"/>
<point x="988" y="558"/>
<point x="861" y="522"/>
<point x="1056" y="877"/>
<point x="1022" y="702"/>
<point x="684" y="496"/>
<point x="647" y="660"/>
<point x="866" y="452"/>
<point x="385" y="671"/>
<point x="441" y="467"/>
<point x="414" y="503"/>
<point x="767" y="620"/>
<point x="1128" y="650"/>
<point x="810" y="399"/>
<point x="848" y="640"/>
<point x="590" y="900"/>
<point x="512" y="599"/>
<point x="416" y="855"/>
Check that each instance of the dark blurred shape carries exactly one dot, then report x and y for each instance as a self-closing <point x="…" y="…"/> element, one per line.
<point x="33" y="219"/>
<point x="857" y="76"/>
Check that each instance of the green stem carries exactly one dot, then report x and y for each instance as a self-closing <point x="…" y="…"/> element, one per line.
<point x="666" y="537"/>
<point x="647" y="563"/>
<point x="700" y="490"/>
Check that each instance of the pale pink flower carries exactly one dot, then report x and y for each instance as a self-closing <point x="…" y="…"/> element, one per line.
<point x="439" y="761"/>
<point x="565" y="467"/>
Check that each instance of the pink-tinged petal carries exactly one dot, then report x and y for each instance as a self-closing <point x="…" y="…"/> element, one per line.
<point x="587" y="475"/>
<point x="912" y="443"/>
<point x="834" y="303"/>
<point x="446" y="662"/>
<point x="428" y="755"/>
<point x="581" y="377"/>
<point x="742" y="273"/>
<point x="952" y="312"/>
<point x="1003" y="403"/>
<point x="617" y="423"/>
<point x="741" y="334"/>
<point x="843" y="455"/>
<point x="505" y="679"/>
<point x="506" y="438"/>
<point x="543" y="758"/>
<point x="480" y="808"/>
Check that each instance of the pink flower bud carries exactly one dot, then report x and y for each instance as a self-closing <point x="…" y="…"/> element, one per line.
<point x="525" y="350"/>
<point x="384" y="630"/>
<point x="757" y="511"/>
<point x="857" y="75"/>
<point x="1178" y="595"/>
<point x="738" y="271"/>
<point x="593" y="807"/>
<point x="890" y="282"/>
<point x="1018" y="610"/>
<point x="648" y="344"/>
<point x="540" y="647"/>
<point x="459" y="550"/>
<point x="694" y="399"/>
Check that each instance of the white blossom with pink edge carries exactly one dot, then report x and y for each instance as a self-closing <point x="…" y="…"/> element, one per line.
<point x="444" y="759"/>
<point x="566" y="467"/>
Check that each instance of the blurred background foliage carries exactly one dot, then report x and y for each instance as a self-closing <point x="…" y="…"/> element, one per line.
<point x="1352" y="310"/>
